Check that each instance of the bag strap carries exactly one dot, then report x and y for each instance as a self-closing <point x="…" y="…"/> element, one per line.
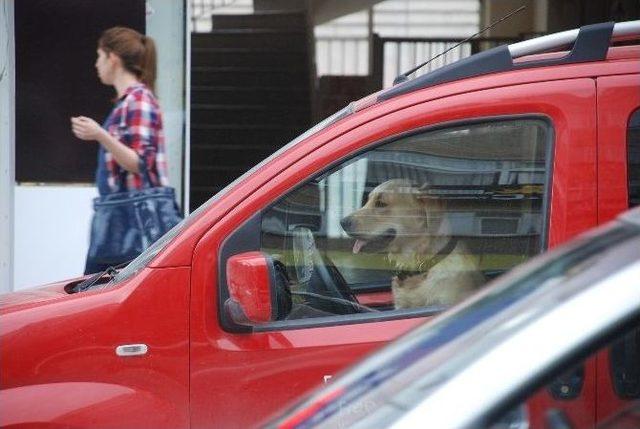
<point x="144" y="172"/>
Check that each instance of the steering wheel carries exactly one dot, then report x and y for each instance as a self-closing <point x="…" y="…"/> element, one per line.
<point x="319" y="276"/>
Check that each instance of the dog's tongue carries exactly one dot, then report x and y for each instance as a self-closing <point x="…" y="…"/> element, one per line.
<point x="358" y="245"/>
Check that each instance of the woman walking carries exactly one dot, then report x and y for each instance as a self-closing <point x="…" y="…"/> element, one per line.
<point x="131" y="154"/>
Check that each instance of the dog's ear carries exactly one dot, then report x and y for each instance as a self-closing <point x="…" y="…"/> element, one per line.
<point x="431" y="204"/>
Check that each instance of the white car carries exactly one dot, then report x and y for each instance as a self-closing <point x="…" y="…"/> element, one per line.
<point x="553" y="344"/>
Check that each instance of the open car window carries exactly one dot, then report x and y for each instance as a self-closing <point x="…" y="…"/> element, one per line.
<point x="414" y="223"/>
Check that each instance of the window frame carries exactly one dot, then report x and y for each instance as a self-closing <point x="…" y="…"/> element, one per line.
<point x="244" y="237"/>
<point x="633" y="124"/>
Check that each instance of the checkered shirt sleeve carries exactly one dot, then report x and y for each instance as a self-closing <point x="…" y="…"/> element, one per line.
<point x="137" y="122"/>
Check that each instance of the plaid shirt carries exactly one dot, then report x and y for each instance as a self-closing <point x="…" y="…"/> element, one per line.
<point x="135" y="121"/>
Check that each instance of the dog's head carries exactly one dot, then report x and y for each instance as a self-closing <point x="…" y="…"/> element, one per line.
<point x="394" y="210"/>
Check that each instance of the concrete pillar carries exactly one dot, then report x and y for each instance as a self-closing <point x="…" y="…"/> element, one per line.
<point x="166" y="24"/>
<point x="541" y="16"/>
<point x="7" y="143"/>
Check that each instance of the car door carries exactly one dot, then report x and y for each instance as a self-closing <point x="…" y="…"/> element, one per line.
<point x="511" y="170"/>
<point x="618" y="107"/>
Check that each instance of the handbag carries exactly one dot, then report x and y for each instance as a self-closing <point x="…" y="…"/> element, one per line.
<point x="126" y="223"/>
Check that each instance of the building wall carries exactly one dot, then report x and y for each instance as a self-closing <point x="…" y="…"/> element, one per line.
<point x="409" y="18"/>
<point x="202" y="14"/>
<point x="530" y="20"/>
<point x="342" y="45"/>
<point x="568" y="14"/>
<point x="545" y="16"/>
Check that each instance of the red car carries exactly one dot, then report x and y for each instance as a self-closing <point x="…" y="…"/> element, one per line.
<point x="307" y="262"/>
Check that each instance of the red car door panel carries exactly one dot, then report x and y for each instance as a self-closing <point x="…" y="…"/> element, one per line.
<point x="618" y="100"/>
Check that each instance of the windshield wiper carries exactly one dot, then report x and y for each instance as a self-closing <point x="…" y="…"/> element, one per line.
<point x="110" y="271"/>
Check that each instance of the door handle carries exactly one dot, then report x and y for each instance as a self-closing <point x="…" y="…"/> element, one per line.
<point x="132" y="350"/>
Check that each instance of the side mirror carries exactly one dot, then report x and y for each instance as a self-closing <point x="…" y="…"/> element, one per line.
<point x="251" y="279"/>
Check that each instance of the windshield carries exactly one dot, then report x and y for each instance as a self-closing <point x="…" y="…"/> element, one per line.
<point x="145" y="257"/>
<point x="383" y="387"/>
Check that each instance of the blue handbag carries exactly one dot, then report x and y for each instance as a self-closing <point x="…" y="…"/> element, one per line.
<point x="126" y="223"/>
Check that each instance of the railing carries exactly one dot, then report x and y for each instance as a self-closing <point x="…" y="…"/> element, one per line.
<point x="393" y="55"/>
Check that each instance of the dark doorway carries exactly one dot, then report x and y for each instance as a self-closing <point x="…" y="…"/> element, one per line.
<point x="56" y="79"/>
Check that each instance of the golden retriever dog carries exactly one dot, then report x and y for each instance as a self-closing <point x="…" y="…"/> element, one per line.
<point x="432" y="267"/>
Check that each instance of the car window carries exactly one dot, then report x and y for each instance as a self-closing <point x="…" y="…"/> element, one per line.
<point x="419" y="222"/>
<point x="633" y="157"/>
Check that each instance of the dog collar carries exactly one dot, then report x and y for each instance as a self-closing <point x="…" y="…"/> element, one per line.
<point x="427" y="265"/>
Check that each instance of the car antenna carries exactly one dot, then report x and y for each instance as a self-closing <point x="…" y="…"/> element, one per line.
<point x="405" y="76"/>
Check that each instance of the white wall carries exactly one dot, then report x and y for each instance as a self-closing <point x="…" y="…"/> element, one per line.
<point x="7" y="145"/>
<point x="51" y="233"/>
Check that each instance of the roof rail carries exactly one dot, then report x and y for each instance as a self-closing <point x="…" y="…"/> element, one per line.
<point x="557" y="40"/>
<point x="590" y="43"/>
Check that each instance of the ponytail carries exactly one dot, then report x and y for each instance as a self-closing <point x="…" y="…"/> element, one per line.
<point x="137" y="52"/>
<point x="148" y="73"/>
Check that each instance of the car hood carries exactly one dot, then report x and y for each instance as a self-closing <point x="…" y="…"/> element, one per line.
<point x="34" y="297"/>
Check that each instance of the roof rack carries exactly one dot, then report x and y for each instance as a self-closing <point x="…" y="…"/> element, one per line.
<point x="590" y="43"/>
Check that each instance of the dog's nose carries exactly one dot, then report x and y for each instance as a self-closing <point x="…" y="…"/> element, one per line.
<point x="346" y="223"/>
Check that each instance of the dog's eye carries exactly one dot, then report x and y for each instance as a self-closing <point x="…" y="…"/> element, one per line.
<point x="380" y="204"/>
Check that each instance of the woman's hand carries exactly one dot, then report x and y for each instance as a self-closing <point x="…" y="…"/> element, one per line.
<point x="86" y="128"/>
